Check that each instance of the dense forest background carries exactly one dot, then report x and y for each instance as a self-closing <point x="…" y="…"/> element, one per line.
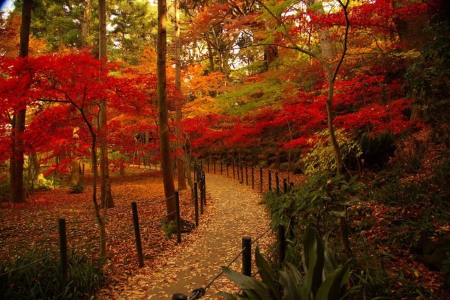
<point x="354" y="94"/>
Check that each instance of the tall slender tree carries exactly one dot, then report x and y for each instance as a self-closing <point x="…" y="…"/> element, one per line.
<point x="105" y="189"/>
<point x="331" y="68"/>
<point x="178" y="111"/>
<point x="18" y="120"/>
<point x="163" y="116"/>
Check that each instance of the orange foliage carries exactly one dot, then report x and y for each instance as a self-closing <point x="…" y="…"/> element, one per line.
<point x="10" y="39"/>
<point x="199" y="84"/>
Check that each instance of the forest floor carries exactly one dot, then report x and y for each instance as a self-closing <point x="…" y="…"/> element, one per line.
<point x="232" y="211"/>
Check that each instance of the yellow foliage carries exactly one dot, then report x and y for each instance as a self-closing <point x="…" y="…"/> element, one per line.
<point x="200" y="107"/>
<point x="321" y="156"/>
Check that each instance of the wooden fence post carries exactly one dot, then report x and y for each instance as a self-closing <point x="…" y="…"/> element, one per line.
<point x="281" y="243"/>
<point x="246" y="175"/>
<point x="261" y="179"/>
<point x="177" y="204"/>
<point x="247" y="256"/>
<point x="63" y="251"/>
<point x="285" y="185"/>
<point x="253" y="177"/>
<point x="137" y="234"/>
<point x="204" y="188"/>
<point x="277" y="183"/>
<point x="196" y="203"/>
<point x="242" y="173"/>
<point x="201" y="194"/>
<point x="270" y="179"/>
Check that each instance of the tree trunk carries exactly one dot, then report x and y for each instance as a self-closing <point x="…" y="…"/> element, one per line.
<point x="178" y="112"/>
<point x="39" y="176"/>
<point x="163" y="118"/>
<point x="99" y="216"/>
<point x="75" y="171"/>
<point x="86" y="24"/>
<point x="270" y="54"/>
<point x="210" y="58"/>
<point x="326" y="45"/>
<point x="18" y="121"/>
<point x="16" y="167"/>
<point x="105" y="190"/>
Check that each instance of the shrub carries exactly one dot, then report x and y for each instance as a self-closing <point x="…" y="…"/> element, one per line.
<point x="323" y="278"/>
<point x="38" y="276"/>
<point x="321" y="156"/>
<point x="169" y="228"/>
<point x="377" y="150"/>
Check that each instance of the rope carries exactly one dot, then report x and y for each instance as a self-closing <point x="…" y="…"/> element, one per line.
<point x="155" y="202"/>
<point x="199" y="292"/>
<point x="28" y="265"/>
<point x="261" y="235"/>
<point x="141" y="225"/>
<point x="29" y="236"/>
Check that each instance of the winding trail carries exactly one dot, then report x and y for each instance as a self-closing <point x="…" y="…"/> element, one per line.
<point x="232" y="212"/>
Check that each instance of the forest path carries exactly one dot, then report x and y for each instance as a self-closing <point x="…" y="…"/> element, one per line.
<point x="232" y="212"/>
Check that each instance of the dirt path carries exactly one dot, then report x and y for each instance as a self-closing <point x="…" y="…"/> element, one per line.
<point x="232" y="213"/>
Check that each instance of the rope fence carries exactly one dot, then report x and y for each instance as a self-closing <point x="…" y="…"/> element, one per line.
<point x="244" y="173"/>
<point x="79" y="240"/>
<point x="258" y="178"/>
<point x="245" y="253"/>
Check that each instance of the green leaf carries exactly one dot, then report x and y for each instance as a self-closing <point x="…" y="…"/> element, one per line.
<point x="329" y="264"/>
<point x="313" y="256"/>
<point x="340" y="213"/>
<point x="330" y="288"/>
<point x="248" y="283"/>
<point x="266" y="274"/>
<point x="292" y="282"/>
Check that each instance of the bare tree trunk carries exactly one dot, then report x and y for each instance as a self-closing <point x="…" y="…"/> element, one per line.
<point x="75" y="171"/>
<point x="331" y="74"/>
<point x="178" y="112"/>
<point x="39" y="176"/>
<point x="16" y="166"/>
<point x="18" y="121"/>
<point x="326" y="45"/>
<point x="86" y="23"/>
<point x="163" y="118"/>
<point x="211" y="58"/>
<point x="105" y="190"/>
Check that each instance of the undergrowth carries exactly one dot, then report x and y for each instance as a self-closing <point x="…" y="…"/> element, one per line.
<point x="37" y="274"/>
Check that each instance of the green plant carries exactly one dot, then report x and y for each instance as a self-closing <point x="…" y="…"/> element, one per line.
<point x="38" y="276"/>
<point x="169" y="228"/>
<point x="323" y="278"/>
<point x="321" y="155"/>
<point x="426" y="80"/>
<point x="371" y="275"/>
<point x="446" y="270"/>
<point x="318" y="202"/>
